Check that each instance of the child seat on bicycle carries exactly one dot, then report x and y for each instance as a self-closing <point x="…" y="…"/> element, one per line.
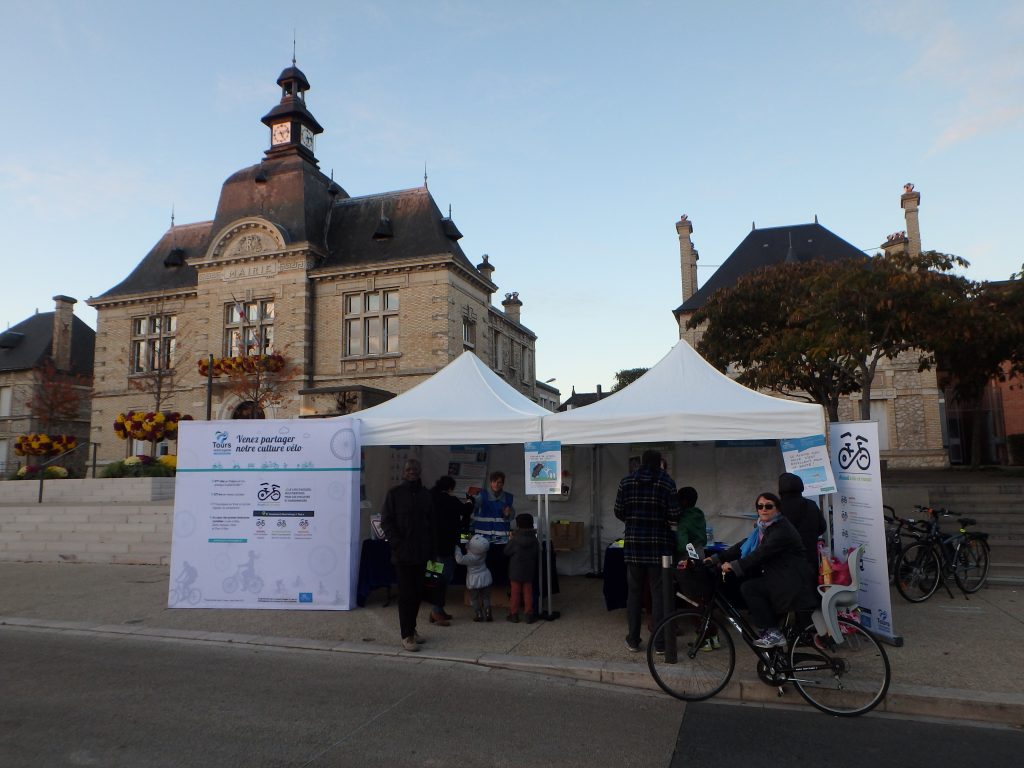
<point x="836" y="596"/>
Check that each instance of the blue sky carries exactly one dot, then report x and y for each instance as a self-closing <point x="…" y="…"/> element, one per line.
<point x="568" y="137"/>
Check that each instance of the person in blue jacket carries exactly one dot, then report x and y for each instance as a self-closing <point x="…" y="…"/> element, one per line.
<point x="493" y="514"/>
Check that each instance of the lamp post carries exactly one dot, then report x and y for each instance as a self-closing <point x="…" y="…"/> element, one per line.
<point x="209" y="389"/>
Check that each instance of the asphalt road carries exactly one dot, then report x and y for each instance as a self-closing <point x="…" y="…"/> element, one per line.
<point x="777" y="737"/>
<point x="76" y="700"/>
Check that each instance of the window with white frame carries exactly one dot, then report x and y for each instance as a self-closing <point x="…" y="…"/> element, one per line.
<point x="468" y="333"/>
<point x="5" y="400"/>
<point x="153" y="342"/>
<point x="249" y="328"/>
<point x="371" y="323"/>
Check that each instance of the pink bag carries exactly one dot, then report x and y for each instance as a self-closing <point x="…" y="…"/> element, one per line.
<point x="841" y="572"/>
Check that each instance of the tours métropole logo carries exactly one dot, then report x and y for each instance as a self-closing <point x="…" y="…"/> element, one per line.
<point x="221" y="446"/>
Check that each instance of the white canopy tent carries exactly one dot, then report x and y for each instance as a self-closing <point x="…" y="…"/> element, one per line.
<point x="684" y="398"/>
<point x="464" y="402"/>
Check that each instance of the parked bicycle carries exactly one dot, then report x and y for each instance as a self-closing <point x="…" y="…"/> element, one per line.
<point x="897" y="532"/>
<point x="846" y="677"/>
<point x="938" y="557"/>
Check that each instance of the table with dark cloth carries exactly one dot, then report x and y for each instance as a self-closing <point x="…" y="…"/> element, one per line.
<point x="375" y="570"/>
<point x="615" y="588"/>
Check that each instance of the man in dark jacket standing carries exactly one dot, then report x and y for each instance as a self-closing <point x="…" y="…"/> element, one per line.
<point x="646" y="502"/>
<point x="407" y="520"/>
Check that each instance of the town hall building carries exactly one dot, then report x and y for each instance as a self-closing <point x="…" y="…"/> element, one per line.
<point x="357" y="298"/>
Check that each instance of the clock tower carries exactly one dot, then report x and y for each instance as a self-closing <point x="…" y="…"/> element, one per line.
<point x="292" y="127"/>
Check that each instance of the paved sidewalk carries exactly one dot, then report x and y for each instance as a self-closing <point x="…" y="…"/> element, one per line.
<point x="961" y="659"/>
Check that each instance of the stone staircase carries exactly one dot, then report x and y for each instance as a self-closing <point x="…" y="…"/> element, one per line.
<point x="996" y="502"/>
<point x="88" y="521"/>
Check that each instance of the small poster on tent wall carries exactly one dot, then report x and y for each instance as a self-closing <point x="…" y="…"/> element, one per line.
<point x="567" y="475"/>
<point x="636" y="452"/>
<point x="467" y="465"/>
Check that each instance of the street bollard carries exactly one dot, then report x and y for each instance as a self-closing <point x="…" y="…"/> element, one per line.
<point x="668" y="605"/>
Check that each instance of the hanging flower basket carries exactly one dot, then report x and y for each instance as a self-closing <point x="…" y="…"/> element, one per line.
<point x="152" y="426"/>
<point x="34" y="444"/>
<point x="241" y="364"/>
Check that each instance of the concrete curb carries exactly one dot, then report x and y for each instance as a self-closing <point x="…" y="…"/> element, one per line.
<point x="918" y="701"/>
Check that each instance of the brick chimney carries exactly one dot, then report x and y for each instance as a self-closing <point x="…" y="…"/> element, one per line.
<point x="687" y="257"/>
<point x="895" y="243"/>
<point x="485" y="267"/>
<point x="63" y="315"/>
<point x="909" y="202"/>
<point x="512" y="306"/>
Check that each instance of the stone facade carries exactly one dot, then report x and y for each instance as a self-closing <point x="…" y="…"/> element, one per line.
<point x="365" y="297"/>
<point x="66" y="342"/>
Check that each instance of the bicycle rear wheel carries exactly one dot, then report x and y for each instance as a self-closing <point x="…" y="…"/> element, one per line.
<point x="917" y="572"/>
<point x="703" y="660"/>
<point x="844" y="679"/>
<point x="971" y="566"/>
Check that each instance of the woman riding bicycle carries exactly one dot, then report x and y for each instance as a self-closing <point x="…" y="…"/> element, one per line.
<point x="772" y="569"/>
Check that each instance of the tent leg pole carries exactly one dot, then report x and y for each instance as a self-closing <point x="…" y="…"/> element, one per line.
<point x="551" y="614"/>
<point x="543" y="534"/>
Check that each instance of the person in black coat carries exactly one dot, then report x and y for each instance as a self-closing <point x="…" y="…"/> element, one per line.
<point x="407" y="520"/>
<point x="771" y="567"/>
<point x="805" y="517"/>
<point x="451" y="518"/>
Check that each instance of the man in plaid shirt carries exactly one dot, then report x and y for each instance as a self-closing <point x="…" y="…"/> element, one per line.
<point x="646" y="502"/>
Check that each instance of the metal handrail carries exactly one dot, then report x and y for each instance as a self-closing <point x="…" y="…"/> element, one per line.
<point x="45" y="464"/>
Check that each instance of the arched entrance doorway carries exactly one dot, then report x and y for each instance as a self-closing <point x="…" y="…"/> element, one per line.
<point x="248" y="410"/>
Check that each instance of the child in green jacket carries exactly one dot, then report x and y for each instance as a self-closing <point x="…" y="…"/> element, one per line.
<point x="692" y="525"/>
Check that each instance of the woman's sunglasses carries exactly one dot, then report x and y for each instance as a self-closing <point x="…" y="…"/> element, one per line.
<point x="769" y="505"/>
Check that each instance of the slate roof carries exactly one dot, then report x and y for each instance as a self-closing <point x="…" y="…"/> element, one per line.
<point x="765" y="247"/>
<point x="580" y="399"/>
<point x="417" y="224"/>
<point x="34" y="346"/>
<point x="288" y="189"/>
<point x="151" y="275"/>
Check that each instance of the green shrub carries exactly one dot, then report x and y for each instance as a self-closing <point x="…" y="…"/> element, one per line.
<point x="31" y="472"/>
<point x="138" y="466"/>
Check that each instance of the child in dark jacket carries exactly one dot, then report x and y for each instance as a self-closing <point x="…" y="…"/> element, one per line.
<point x="523" y="552"/>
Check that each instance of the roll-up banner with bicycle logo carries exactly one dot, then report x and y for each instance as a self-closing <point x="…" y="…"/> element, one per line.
<point x="266" y="515"/>
<point x="857" y="517"/>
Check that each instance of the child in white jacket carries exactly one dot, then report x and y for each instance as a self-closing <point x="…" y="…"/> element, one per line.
<point x="478" y="577"/>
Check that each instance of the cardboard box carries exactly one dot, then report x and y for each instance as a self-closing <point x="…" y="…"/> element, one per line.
<point x="566" y="535"/>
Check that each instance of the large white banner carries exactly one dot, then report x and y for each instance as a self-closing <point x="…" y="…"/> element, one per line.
<point x="266" y="515"/>
<point x="858" y="519"/>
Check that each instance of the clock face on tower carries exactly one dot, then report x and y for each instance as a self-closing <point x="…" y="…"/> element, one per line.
<point x="281" y="133"/>
<point x="307" y="138"/>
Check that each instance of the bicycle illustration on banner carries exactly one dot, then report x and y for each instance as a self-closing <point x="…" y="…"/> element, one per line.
<point x="848" y="455"/>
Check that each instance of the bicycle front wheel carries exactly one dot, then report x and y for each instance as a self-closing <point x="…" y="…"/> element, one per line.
<point x="971" y="566"/>
<point x="917" y="572"/>
<point x="697" y="662"/>
<point x="844" y="679"/>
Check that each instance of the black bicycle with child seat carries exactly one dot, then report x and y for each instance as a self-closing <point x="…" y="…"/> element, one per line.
<point x="938" y="557"/>
<point x="692" y="656"/>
